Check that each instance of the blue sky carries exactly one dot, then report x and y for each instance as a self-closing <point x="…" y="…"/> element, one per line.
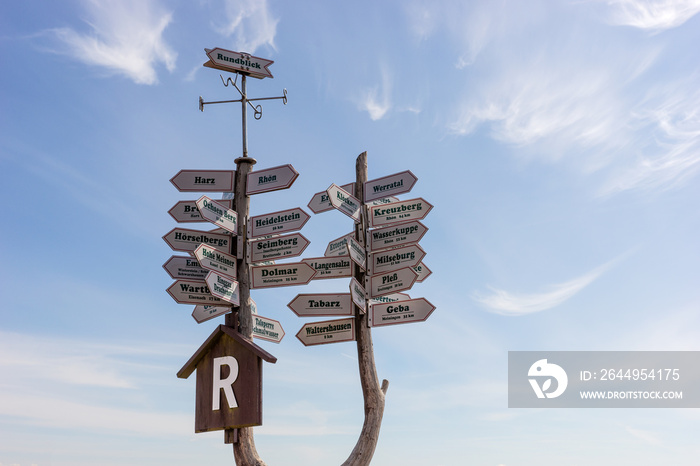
<point x="559" y="142"/>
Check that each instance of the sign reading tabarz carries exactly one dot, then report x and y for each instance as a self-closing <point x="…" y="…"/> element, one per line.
<point x="391" y="185"/>
<point x="204" y="180"/>
<point x="228" y="60"/>
<point x="271" y="179"/>
<point x="321" y="304"/>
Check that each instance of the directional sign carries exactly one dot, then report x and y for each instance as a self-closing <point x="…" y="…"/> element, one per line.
<point x="182" y="239"/>
<point x="392" y="282"/>
<point x="382" y="201"/>
<point x="423" y="272"/>
<point x="224" y="288"/>
<point x="357" y="253"/>
<point x="216" y="261"/>
<point x="397" y="235"/>
<point x="389" y="298"/>
<point x="344" y="202"/>
<point x="218" y="214"/>
<point x="358" y="294"/>
<point x="329" y="331"/>
<point x="193" y="292"/>
<point x="267" y="329"/>
<point x="399" y="212"/>
<point x="338" y="247"/>
<point x="320" y="202"/>
<point x="323" y="304"/>
<point x="204" y="181"/>
<point x="184" y="267"/>
<point x="187" y="211"/>
<point x="391" y="185"/>
<point x="277" y="222"/>
<point x="394" y="259"/>
<point x="330" y="267"/>
<point x="293" y="273"/>
<point x="271" y="179"/>
<point x="401" y="312"/>
<point x="228" y="60"/>
<point x="277" y="247"/>
<point x="202" y="312"/>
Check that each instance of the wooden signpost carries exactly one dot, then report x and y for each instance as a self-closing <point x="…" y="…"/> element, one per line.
<point x="204" y="180"/>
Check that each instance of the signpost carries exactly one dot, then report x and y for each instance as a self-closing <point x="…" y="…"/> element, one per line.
<point x="394" y="259"/>
<point x="293" y="273"/>
<point x="396" y="235"/>
<point x="185" y="267"/>
<point x="267" y="329"/>
<point x="357" y="253"/>
<point x="391" y="185"/>
<point x="203" y="312"/>
<point x="271" y="179"/>
<point x="401" y="312"/>
<point x="216" y="261"/>
<point x="238" y="62"/>
<point x="187" y="211"/>
<point x="392" y="282"/>
<point x="277" y="222"/>
<point x="204" y="181"/>
<point x="218" y="214"/>
<point x="320" y="202"/>
<point x="329" y="267"/>
<point x="193" y="292"/>
<point x="338" y="247"/>
<point x="329" y="331"/>
<point x="277" y="247"/>
<point x="399" y="212"/>
<point x="224" y="288"/>
<point x="185" y="240"/>
<point x="358" y="294"/>
<point x="321" y="304"/>
<point x="344" y="202"/>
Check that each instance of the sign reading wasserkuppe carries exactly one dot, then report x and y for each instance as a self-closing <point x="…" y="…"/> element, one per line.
<point x="270" y="179"/>
<point x="218" y="214"/>
<point x="238" y="62"/>
<point x="399" y="212"/>
<point x="329" y="331"/>
<point x="396" y="235"/>
<point x="292" y="273"/>
<point x="277" y="222"/>
<point x="401" y="312"/>
<point x="216" y="261"/>
<point x="277" y="247"/>
<point x="223" y="288"/>
<point x="204" y="180"/>
<point x="185" y="240"/>
<point x="321" y="304"/>
<point x="391" y="185"/>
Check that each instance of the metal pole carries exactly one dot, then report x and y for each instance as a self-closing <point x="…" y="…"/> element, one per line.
<point x="244" y="102"/>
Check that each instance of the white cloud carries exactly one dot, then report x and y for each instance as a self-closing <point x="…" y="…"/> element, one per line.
<point x="126" y="38"/>
<point x="251" y="24"/>
<point x="377" y="101"/>
<point x="515" y="304"/>
<point x="654" y="15"/>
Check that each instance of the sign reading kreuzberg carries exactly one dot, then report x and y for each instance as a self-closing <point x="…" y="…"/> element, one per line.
<point x="216" y="261"/>
<point x="330" y="267"/>
<point x="292" y="273"/>
<point x="391" y="185"/>
<point x="399" y="212"/>
<point x="224" y="288"/>
<point x="344" y="202"/>
<point x="270" y="179"/>
<point x="278" y="247"/>
<point x="321" y="304"/>
<point x="218" y="214"/>
<point x="329" y="331"/>
<point x="238" y="62"/>
<point x="394" y="259"/>
<point x="396" y="235"/>
<point x="193" y="292"/>
<point x="320" y="203"/>
<point x="185" y="240"/>
<point x="202" y="181"/>
<point x="401" y="312"/>
<point x="187" y="211"/>
<point x="277" y="222"/>
<point x="392" y="282"/>
<point x="267" y="329"/>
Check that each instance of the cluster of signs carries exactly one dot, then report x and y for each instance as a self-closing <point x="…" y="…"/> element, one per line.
<point x="207" y="276"/>
<point x="389" y="253"/>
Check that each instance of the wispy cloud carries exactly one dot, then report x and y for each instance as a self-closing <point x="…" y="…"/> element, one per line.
<point x="251" y="24"/>
<point x="377" y="100"/>
<point x="653" y="15"/>
<point x="516" y="304"/>
<point x="126" y="38"/>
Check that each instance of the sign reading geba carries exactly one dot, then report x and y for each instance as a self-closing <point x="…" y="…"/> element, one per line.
<point x="400" y="312"/>
<point x="204" y="180"/>
<point x="218" y="214"/>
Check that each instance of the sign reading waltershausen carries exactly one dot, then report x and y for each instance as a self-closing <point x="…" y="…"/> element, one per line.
<point x="329" y="331"/>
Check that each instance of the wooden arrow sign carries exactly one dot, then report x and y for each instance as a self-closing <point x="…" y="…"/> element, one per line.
<point x="423" y="272"/>
<point x="277" y="247"/>
<point x="358" y="294"/>
<point x="320" y="202"/>
<point x="193" y="292"/>
<point x="330" y="267"/>
<point x="184" y="267"/>
<point x="399" y="212"/>
<point x="271" y="179"/>
<point x="217" y="261"/>
<point x="401" y="312"/>
<point x="391" y="185"/>
<point x="277" y="222"/>
<point x="394" y="259"/>
<point x="185" y="240"/>
<point x="392" y="282"/>
<point x="389" y="298"/>
<point x="321" y="304"/>
<point x="396" y="235"/>
<point x="204" y="180"/>
<point x="223" y="288"/>
<point x="357" y="253"/>
<point x="202" y="312"/>
<point x="187" y="211"/>
<point x="267" y="329"/>
<point x="238" y="62"/>
<point x="344" y="202"/>
<point x="329" y="331"/>
<point x="338" y="247"/>
<point x="293" y="273"/>
<point x="218" y="214"/>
